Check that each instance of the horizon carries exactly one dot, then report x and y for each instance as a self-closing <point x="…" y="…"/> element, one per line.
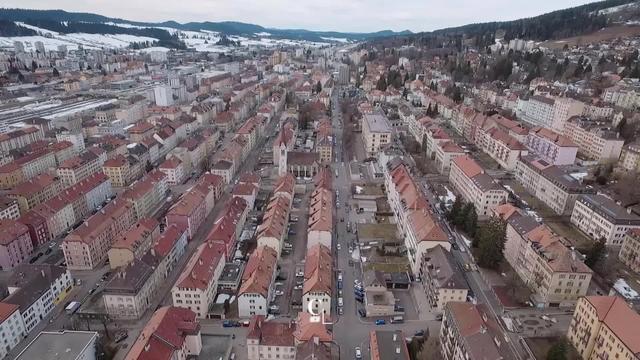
<point x="330" y="16"/>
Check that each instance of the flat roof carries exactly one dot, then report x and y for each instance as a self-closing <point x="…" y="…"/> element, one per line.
<point x="58" y="345"/>
<point x="377" y="123"/>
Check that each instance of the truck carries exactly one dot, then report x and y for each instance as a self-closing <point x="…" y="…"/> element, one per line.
<point x="72" y="307"/>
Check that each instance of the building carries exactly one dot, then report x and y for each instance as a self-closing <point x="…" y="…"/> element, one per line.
<point x="630" y="250"/>
<point x="171" y="333"/>
<point x="9" y="208"/>
<point x="550" y="146"/>
<point x="602" y="218"/>
<point x="467" y="332"/>
<point x="134" y="287"/>
<point x="470" y="181"/>
<point x="318" y="279"/>
<point x="630" y="157"/>
<point x="553" y="185"/>
<point x="147" y="194"/>
<point x="388" y="345"/>
<point x="197" y="286"/>
<point x="343" y="74"/>
<point x="441" y="278"/>
<point x="378" y="300"/>
<point x="15" y="244"/>
<point x="88" y="245"/>
<point x="12" y="329"/>
<point x="134" y="243"/>
<point x="74" y="137"/>
<point x="80" y="167"/>
<point x="445" y="152"/>
<point x="376" y="132"/>
<point x="163" y="95"/>
<point x="35" y="191"/>
<point x="61" y="345"/>
<point x="595" y="140"/>
<point x="174" y="169"/>
<point x="227" y="229"/>
<point x="36" y="289"/>
<point x="273" y="229"/>
<point x="20" y="138"/>
<point x="553" y="272"/>
<point x="256" y="289"/>
<point x="320" y="222"/>
<point x="547" y="112"/>
<point x="502" y="147"/>
<point x="270" y="339"/>
<point x="604" y="327"/>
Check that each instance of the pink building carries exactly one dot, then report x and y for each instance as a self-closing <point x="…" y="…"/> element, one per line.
<point x="552" y="147"/>
<point x="15" y="244"/>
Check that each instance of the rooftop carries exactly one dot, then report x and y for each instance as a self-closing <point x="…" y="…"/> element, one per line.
<point x="59" y="345"/>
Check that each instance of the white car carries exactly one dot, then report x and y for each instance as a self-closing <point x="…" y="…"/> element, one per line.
<point x="279" y="292"/>
<point x="358" y="353"/>
<point x="338" y="246"/>
<point x="274" y="308"/>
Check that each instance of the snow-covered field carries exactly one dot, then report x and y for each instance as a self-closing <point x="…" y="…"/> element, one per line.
<point x="203" y="40"/>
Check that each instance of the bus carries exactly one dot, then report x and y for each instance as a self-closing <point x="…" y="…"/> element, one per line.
<point x="72" y="307"/>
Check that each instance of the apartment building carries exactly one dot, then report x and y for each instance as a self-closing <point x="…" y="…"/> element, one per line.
<point x="630" y="250"/>
<point x="79" y="168"/>
<point x="171" y="246"/>
<point x="87" y="195"/>
<point x="550" y="146"/>
<point x="88" y="245"/>
<point x="147" y="194"/>
<point x="273" y="229"/>
<point x="441" y="279"/>
<point x="257" y="282"/>
<point x="553" y="185"/>
<point x="602" y="218"/>
<point x="175" y="171"/>
<point x="120" y="171"/>
<point x="604" y="327"/>
<point x="36" y="289"/>
<point x="189" y="212"/>
<point x="270" y="339"/>
<point x="467" y="332"/>
<point x="35" y="191"/>
<point x="37" y="225"/>
<point x="445" y="152"/>
<point x="554" y="272"/>
<point x="15" y="244"/>
<point x="324" y="141"/>
<point x="9" y="208"/>
<point x="197" y="286"/>
<point x="623" y="96"/>
<point x="320" y="223"/>
<point x="76" y="138"/>
<point x="388" y="345"/>
<point x="12" y="329"/>
<point x="317" y="289"/>
<point x="20" y="138"/>
<point x="134" y="287"/>
<point x="411" y="209"/>
<point x="595" y="140"/>
<point x="76" y="345"/>
<point x="376" y="132"/>
<point x="34" y="163"/>
<point x="134" y="243"/>
<point x="502" y="147"/>
<point x="228" y="228"/>
<point x="172" y="332"/>
<point x="434" y="136"/>
<point x="470" y="181"/>
<point x="547" y="112"/>
<point x="59" y="214"/>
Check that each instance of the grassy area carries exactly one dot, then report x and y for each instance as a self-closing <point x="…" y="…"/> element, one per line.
<point x="388" y="267"/>
<point x="540" y="347"/>
<point x="486" y="161"/>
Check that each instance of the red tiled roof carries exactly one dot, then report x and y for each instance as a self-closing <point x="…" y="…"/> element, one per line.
<point x="200" y="270"/>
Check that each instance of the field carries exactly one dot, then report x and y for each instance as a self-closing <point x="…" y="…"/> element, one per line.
<point x="605" y="34"/>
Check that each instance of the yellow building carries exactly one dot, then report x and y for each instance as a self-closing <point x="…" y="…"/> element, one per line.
<point x="605" y="327"/>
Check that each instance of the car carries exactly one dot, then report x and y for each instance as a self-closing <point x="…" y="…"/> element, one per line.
<point x="419" y="333"/>
<point x="299" y="273"/>
<point x="358" y="287"/>
<point x="92" y="291"/>
<point x="279" y="283"/>
<point x="297" y="287"/>
<point x="362" y="313"/>
<point x="279" y="292"/>
<point x="380" y="322"/>
<point x="340" y="302"/>
<point x="274" y="307"/>
<point x="357" y="282"/>
<point x="439" y="317"/>
<point x="227" y="323"/>
<point x="340" y="292"/>
<point x="338" y="246"/>
<point x="48" y="251"/>
<point x="359" y="299"/>
<point x="358" y="353"/>
<point x="455" y="246"/>
<point x="340" y="310"/>
<point x="340" y="276"/>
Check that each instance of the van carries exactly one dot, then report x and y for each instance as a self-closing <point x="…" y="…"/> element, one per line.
<point x="397" y="320"/>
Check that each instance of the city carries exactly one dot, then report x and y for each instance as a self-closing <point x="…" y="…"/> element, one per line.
<point x="223" y="190"/>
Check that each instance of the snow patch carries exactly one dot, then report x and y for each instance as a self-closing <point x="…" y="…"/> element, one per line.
<point x="623" y="289"/>
<point x="341" y="40"/>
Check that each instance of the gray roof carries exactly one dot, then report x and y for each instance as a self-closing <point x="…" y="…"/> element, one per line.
<point x="59" y="345"/>
<point x="523" y="224"/>
<point x="390" y="345"/>
<point x="377" y="123"/>
<point x="442" y="269"/>
<point x="131" y="278"/>
<point x="608" y="209"/>
<point x="31" y="286"/>
<point x="485" y="182"/>
<point x="558" y="175"/>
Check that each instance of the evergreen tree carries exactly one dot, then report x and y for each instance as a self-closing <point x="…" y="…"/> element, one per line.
<point x="56" y="72"/>
<point x="429" y="110"/>
<point x="435" y="110"/>
<point x="596" y="253"/>
<point x="455" y="208"/>
<point x="471" y="222"/>
<point x="558" y="351"/>
<point x="490" y="241"/>
<point x="382" y="84"/>
<point x="460" y="219"/>
<point x="318" y="87"/>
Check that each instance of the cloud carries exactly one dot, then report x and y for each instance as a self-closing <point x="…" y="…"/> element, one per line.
<point x="338" y="15"/>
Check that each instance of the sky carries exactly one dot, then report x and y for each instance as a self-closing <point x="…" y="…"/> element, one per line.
<point x="335" y="15"/>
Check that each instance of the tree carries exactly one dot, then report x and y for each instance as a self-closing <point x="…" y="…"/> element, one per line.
<point x="455" y="209"/>
<point x="558" y="351"/>
<point x="318" y="88"/>
<point x="459" y="220"/>
<point x="382" y="84"/>
<point x="471" y="222"/>
<point x="56" y="72"/>
<point x="490" y="241"/>
<point x="596" y="253"/>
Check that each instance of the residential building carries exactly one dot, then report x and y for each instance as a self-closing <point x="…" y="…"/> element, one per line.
<point x="553" y="185"/>
<point x="20" y="138"/>
<point x="197" y="286"/>
<point x="376" y="132"/>
<point x="88" y="245"/>
<point x="595" y="141"/>
<point x="445" y="152"/>
<point x="256" y="289"/>
<point x="467" y="332"/>
<point x="134" y="243"/>
<point x="502" y="147"/>
<point x="12" y="328"/>
<point x="318" y="285"/>
<point x="171" y="333"/>
<point x="320" y="222"/>
<point x="388" y="345"/>
<point x="9" y="208"/>
<point x="227" y="228"/>
<point x="74" y="137"/>
<point x="35" y="191"/>
<point x="602" y="218"/>
<point x="15" y="244"/>
<point x="550" y="146"/>
<point x="62" y="345"/>
<point x="273" y="229"/>
<point x="147" y="194"/>
<point x="36" y="289"/>
<point x="552" y="271"/>
<point x="120" y="171"/>
<point x="270" y="339"/>
<point x="175" y="171"/>
<point x="80" y="167"/>
<point x="630" y="250"/>
<point x="603" y="327"/>
<point x="441" y="278"/>
<point x="470" y="181"/>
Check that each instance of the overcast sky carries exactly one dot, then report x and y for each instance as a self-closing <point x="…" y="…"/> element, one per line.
<point x="338" y="15"/>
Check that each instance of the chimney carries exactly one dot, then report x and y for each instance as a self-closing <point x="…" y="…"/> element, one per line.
<point x="43" y="274"/>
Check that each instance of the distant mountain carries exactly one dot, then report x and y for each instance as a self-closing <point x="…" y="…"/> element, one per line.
<point x="558" y="24"/>
<point x="62" y="21"/>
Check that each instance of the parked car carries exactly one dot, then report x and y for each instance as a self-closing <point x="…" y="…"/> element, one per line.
<point x="358" y="353"/>
<point x="362" y="313"/>
<point x="380" y="322"/>
<point x="419" y="333"/>
<point x="340" y="310"/>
